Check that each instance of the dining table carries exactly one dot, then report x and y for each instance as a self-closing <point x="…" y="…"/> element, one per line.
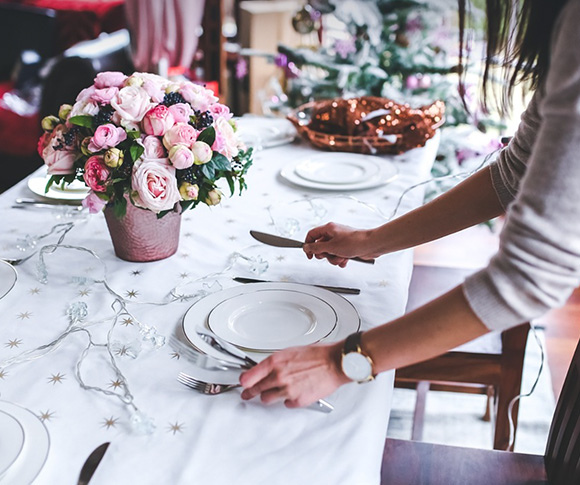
<point x="91" y="345"/>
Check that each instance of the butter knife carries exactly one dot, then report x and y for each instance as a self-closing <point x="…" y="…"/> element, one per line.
<point x="284" y="242"/>
<point x="335" y="289"/>
<point x="91" y="464"/>
<point x="21" y="203"/>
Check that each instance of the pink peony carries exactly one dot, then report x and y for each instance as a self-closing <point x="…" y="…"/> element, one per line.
<point x="94" y="203"/>
<point x="109" y="79"/>
<point x="181" y="112"/>
<point x="199" y="97"/>
<point x="219" y="110"/>
<point x="180" y="134"/>
<point x="155" y="185"/>
<point x="154" y="90"/>
<point x="96" y="174"/>
<point x="158" y="120"/>
<point x="58" y="161"/>
<point x="104" y="95"/>
<point x="106" y="136"/>
<point x="226" y="141"/>
<point x="153" y="147"/>
<point x="86" y="94"/>
<point x="131" y="103"/>
<point x="202" y="152"/>
<point x="181" y="157"/>
<point x="86" y="107"/>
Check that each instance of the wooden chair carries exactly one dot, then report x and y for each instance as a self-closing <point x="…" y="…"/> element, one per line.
<point x="491" y="365"/>
<point x="411" y="462"/>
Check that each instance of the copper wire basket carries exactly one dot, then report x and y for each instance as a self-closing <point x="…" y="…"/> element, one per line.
<point x="367" y="124"/>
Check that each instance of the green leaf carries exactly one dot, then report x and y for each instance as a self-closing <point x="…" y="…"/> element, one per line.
<point x="208" y="170"/>
<point x="231" y="184"/>
<point x="82" y="120"/>
<point x="133" y="134"/>
<point x="136" y="151"/>
<point x="120" y="207"/>
<point x="220" y="162"/>
<point x="207" y="135"/>
<point x="53" y="179"/>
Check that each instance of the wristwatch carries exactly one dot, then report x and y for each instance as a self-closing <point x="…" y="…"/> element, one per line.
<point x="356" y="365"/>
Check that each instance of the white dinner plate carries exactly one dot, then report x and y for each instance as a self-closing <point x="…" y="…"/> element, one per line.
<point x="348" y="319"/>
<point x="265" y="132"/>
<point x="75" y="191"/>
<point x="270" y="320"/>
<point x="322" y="176"/>
<point x="8" y="277"/>
<point x="11" y="441"/>
<point x="35" y="450"/>
<point x="340" y="168"/>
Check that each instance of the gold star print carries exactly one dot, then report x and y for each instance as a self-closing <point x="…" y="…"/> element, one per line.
<point x="383" y="283"/>
<point x="352" y="211"/>
<point x="54" y="378"/>
<point x="24" y="315"/>
<point x="46" y="415"/>
<point x="286" y="279"/>
<point x="233" y="238"/>
<point x="230" y="221"/>
<point x="280" y="258"/>
<point x="3" y="374"/>
<point x="271" y="223"/>
<point x="116" y="384"/>
<point x="137" y="272"/>
<point x="34" y="291"/>
<point x="184" y="255"/>
<point x="183" y="275"/>
<point x="182" y="297"/>
<point x="84" y="292"/>
<point x="127" y="321"/>
<point x="13" y="343"/>
<point x="265" y="194"/>
<point x="175" y="355"/>
<point x="122" y="351"/>
<point x="111" y="422"/>
<point x="132" y="294"/>
<point x="175" y="427"/>
<point x="188" y="234"/>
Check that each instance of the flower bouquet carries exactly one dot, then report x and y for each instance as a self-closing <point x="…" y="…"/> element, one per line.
<point x="146" y="140"/>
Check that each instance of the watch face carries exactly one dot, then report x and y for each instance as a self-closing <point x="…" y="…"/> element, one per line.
<point x="356" y="366"/>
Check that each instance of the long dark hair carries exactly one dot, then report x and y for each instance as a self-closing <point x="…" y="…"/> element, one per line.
<point x="518" y="40"/>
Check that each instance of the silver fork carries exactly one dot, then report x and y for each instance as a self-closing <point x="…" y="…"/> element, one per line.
<point x="204" y="387"/>
<point x="16" y="262"/>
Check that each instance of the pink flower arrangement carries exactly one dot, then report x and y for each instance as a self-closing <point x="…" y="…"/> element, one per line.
<point x="145" y="139"/>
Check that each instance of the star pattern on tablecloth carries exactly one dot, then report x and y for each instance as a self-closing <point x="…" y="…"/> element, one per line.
<point x="54" y="378"/>
<point x="181" y="297"/>
<point x="136" y="272"/>
<point x="121" y="351"/>
<point x="188" y="234"/>
<point x="13" y="343"/>
<point x="175" y="355"/>
<point x="183" y="275"/>
<point x="116" y="384"/>
<point x="271" y="223"/>
<point x="84" y="292"/>
<point x="24" y="315"/>
<point x="184" y="255"/>
<point x="286" y="279"/>
<point x="383" y="283"/>
<point x="34" y="291"/>
<point x="46" y="415"/>
<point x="280" y="258"/>
<point x="175" y="427"/>
<point x="230" y="221"/>
<point x="131" y="294"/>
<point x="233" y="238"/>
<point x="3" y="374"/>
<point x="127" y="321"/>
<point x="110" y="422"/>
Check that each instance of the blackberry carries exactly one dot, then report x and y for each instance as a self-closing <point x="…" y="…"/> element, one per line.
<point x="104" y="115"/>
<point x="202" y="120"/>
<point x="173" y="98"/>
<point x="59" y="144"/>
<point x="70" y="136"/>
<point x="187" y="175"/>
<point x="126" y="169"/>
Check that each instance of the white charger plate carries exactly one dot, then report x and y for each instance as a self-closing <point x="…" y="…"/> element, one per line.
<point x="341" y="168"/>
<point x="76" y="191"/>
<point x="269" y="320"/>
<point x="35" y="450"/>
<point x="11" y="441"/>
<point x="348" y="319"/>
<point x="8" y="277"/>
<point x="297" y="173"/>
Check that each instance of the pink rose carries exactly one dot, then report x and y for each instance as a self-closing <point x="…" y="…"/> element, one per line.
<point x="43" y="142"/>
<point x="131" y="103"/>
<point x="94" y="203"/>
<point x="226" y="141"/>
<point x="154" y="90"/>
<point x="86" y="93"/>
<point x="106" y="136"/>
<point x="180" y="134"/>
<point x="181" y="112"/>
<point x="202" y="152"/>
<point x="155" y="185"/>
<point x="109" y="79"/>
<point x="104" y="95"/>
<point x="59" y="161"/>
<point x="96" y="174"/>
<point x="158" y="120"/>
<point x="189" y="191"/>
<point x="199" y="97"/>
<point x="219" y="110"/>
<point x="86" y="107"/>
<point x="181" y="157"/>
<point x="153" y="147"/>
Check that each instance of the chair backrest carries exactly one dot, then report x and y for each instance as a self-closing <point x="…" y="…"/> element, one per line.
<point x="562" y="457"/>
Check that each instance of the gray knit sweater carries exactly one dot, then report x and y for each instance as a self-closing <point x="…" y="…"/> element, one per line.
<point x="537" y="179"/>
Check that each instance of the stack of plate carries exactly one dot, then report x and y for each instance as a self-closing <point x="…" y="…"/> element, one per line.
<point x="261" y="318"/>
<point x="24" y="444"/>
<point x="8" y="278"/>
<point x="340" y="171"/>
<point x="73" y="192"/>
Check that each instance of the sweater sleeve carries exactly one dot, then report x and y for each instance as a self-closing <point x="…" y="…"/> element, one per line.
<point x="538" y="263"/>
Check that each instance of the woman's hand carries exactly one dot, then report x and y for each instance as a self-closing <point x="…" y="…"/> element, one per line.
<point x="298" y="376"/>
<point x="338" y="244"/>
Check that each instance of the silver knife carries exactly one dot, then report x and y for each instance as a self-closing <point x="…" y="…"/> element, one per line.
<point x="20" y="203"/>
<point x="284" y="242"/>
<point x="336" y="289"/>
<point x="91" y="464"/>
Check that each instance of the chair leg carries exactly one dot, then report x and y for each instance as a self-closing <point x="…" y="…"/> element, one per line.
<point x="419" y="414"/>
<point x="488" y="404"/>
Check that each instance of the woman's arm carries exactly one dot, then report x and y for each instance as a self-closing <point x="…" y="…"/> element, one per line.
<point x="471" y="202"/>
<point x="301" y="375"/>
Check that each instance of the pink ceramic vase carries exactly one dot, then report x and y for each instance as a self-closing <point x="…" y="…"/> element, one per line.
<point x="140" y="236"/>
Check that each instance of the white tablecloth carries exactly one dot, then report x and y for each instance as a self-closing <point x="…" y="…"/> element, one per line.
<point x="197" y="439"/>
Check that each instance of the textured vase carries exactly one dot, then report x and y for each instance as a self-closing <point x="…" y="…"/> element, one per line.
<point x="140" y="236"/>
